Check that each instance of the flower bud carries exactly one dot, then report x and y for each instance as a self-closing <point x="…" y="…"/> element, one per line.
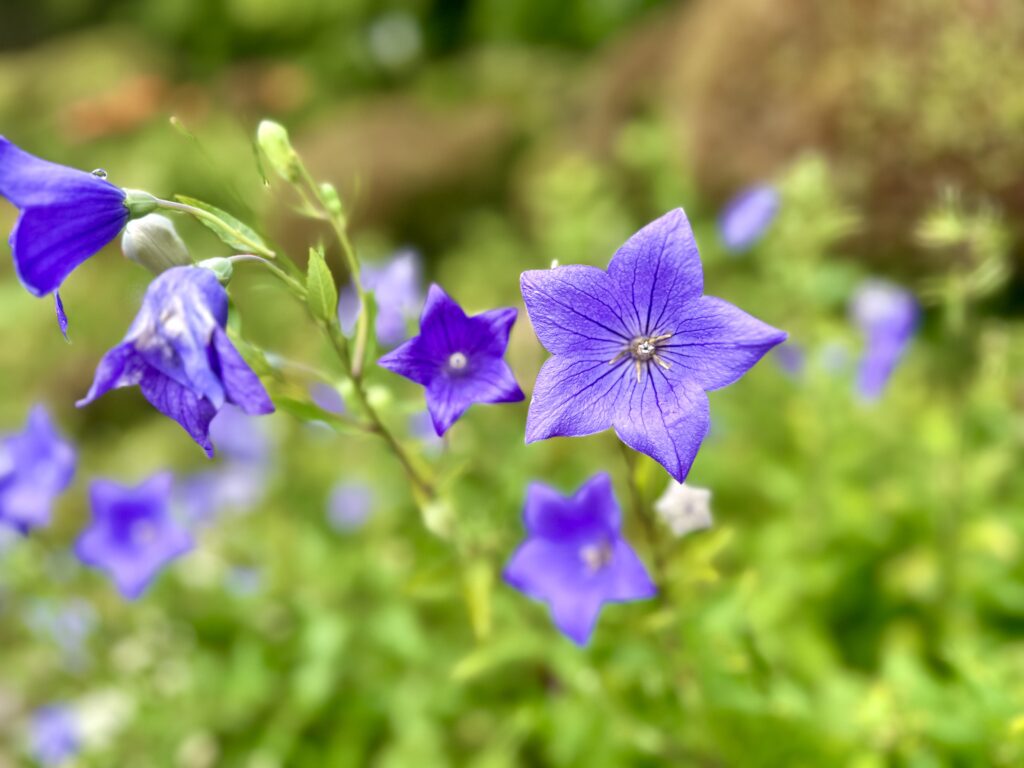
<point x="139" y="203"/>
<point x="273" y="140"/>
<point x="331" y="199"/>
<point x="220" y="266"/>
<point x="153" y="242"/>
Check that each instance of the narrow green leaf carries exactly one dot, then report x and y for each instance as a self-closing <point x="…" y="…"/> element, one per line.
<point x="322" y="293"/>
<point x="230" y="230"/>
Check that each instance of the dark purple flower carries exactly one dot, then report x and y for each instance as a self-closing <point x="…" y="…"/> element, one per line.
<point x="887" y="316"/>
<point x="36" y="466"/>
<point x="349" y="505"/>
<point x="398" y="292"/>
<point x="458" y="359"/>
<point x="133" y="533"/>
<point x="575" y="558"/>
<point x="636" y="347"/>
<point x="747" y="216"/>
<point x="54" y="735"/>
<point x="66" y="216"/>
<point x="180" y="356"/>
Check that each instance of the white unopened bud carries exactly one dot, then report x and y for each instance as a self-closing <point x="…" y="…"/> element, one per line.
<point x="684" y="508"/>
<point x="153" y="242"/>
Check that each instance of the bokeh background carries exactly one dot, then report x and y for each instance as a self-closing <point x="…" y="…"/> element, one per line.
<point x="860" y="600"/>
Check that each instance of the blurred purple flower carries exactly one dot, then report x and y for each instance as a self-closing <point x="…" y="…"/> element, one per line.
<point x="179" y="354"/>
<point x="575" y="558"/>
<point x="239" y="436"/>
<point x="636" y="347"/>
<point x="458" y="359"/>
<point x="68" y="624"/>
<point x="54" y="735"/>
<point x="65" y="216"/>
<point x="398" y="292"/>
<point x="133" y="534"/>
<point x="421" y="427"/>
<point x="36" y="466"/>
<point x="887" y="316"/>
<point x="327" y="397"/>
<point x="747" y="216"/>
<point x="243" y="581"/>
<point x="349" y="506"/>
<point x="791" y="357"/>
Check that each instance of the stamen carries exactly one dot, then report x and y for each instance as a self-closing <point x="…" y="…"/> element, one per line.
<point x="457" y="361"/>
<point x="596" y="556"/>
<point x="643" y="349"/>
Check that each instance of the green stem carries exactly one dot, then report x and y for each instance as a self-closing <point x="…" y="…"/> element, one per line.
<point x="199" y="213"/>
<point x="647" y="522"/>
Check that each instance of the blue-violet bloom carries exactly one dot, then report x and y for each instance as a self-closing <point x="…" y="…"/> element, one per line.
<point x="747" y="216"/>
<point x="349" y="506"/>
<point x="133" y="533"/>
<point x="635" y="348"/>
<point x="575" y="558"/>
<point x="887" y="316"/>
<point x="458" y="359"/>
<point x="180" y="356"/>
<point x="54" y="735"/>
<point x="397" y="288"/>
<point x="36" y="466"/>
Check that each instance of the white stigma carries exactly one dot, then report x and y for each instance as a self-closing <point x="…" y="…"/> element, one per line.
<point x="143" y="532"/>
<point x="596" y="556"/>
<point x="457" y="361"/>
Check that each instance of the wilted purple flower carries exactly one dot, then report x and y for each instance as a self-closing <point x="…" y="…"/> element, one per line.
<point x="133" y="533"/>
<point x="887" y="316"/>
<point x="747" y="216"/>
<point x="180" y="356"/>
<point x="458" y="359"/>
<point x="54" y="735"/>
<point x="398" y="292"/>
<point x="66" y="216"/>
<point x="349" y="505"/>
<point x="636" y="347"/>
<point x="36" y="466"/>
<point x="575" y="558"/>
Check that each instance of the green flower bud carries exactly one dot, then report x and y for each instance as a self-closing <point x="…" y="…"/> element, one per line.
<point x="139" y="203"/>
<point x="220" y="266"/>
<point x="153" y="243"/>
<point x="331" y="199"/>
<point x="273" y="140"/>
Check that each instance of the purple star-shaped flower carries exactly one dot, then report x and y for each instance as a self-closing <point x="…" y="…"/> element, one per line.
<point x="747" y="216"/>
<point x="458" y="359"/>
<point x="887" y="315"/>
<point x="66" y="216"/>
<point x="575" y="558"/>
<point x="36" y="466"/>
<point x="636" y="347"/>
<point x="180" y="356"/>
<point x="397" y="288"/>
<point x="133" y="533"/>
<point x="54" y="735"/>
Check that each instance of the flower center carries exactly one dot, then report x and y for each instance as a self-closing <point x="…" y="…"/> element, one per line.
<point x="143" y="533"/>
<point x="643" y="350"/>
<point x="457" y="361"/>
<point x="596" y="556"/>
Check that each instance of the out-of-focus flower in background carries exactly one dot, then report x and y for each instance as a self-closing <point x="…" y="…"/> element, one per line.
<point x="36" y="466"/>
<point x="684" y="508"/>
<point x="575" y="558"/>
<point x="54" y="736"/>
<point x="68" y="624"/>
<point x="397" y="287"/>
<point x="887" y="316"/>
<point x="459" y="360"/>
<point x="791" y="357"/>
<point x="133" y="533"/>
<point x="746" y="217"/>
<point x="349" y="506"/>
<point x="178" y="352"/>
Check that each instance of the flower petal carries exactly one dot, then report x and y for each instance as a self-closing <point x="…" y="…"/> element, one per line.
<point x="181" y="404"/>
<point x="576" y="310"/>
<point x="657" y="271"/>
<point x="120" y="367"/>
<point x="27" y="180"/>
<point x="241" y="385"/>
<point x="665" y="420"/>
<point x="62" y="317"/>
<point x="413" y="360"/>
<point x="448" y="396"/>
<point x="574" y="397"/>
<point x="718" y="343"/>
<point x="627" y="578"/>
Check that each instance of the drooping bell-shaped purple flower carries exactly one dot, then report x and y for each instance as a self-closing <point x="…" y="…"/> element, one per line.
<point x="133" y="533"/>
<point x="36" y="466"/>
<point x="397" y="287"/>
<point x="575" y="558"/>
<point x="887" y="316"/>
<point x="180" y="356"/>
<point x="458" y="359"/>
<point x="54" y="736"/>
<point x="747" y="216"/>
<point x="66" y="216"/>
<point x="636" y="348"/>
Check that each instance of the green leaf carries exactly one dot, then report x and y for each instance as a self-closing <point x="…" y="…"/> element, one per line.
<point x="322" y="292"/>
<point x="230" y="230"/>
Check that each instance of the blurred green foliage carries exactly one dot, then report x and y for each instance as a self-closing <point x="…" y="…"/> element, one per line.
<point x="860" y="601"/>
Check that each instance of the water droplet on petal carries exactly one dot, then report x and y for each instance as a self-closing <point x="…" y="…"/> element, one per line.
<point x="99" y="173"/>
